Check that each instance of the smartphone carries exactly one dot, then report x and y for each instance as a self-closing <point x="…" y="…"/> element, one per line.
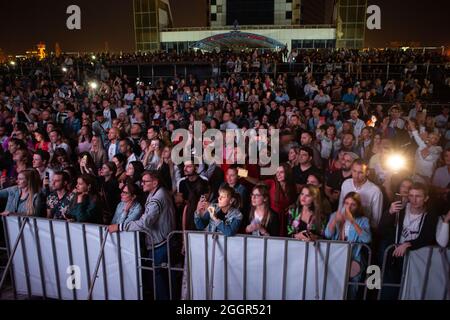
<point x="398" y="197"/>
<point x="47" y="175"/>
<point x="242" y="173"/>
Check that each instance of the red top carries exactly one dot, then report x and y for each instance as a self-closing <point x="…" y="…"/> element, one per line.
<point x="45" y="146"/>
<point x="281" y="206"/>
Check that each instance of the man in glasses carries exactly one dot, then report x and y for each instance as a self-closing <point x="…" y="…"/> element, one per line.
<point x="157" y="222"/>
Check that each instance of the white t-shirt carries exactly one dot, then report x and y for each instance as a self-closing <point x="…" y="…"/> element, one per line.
<point x="412" y="224"/>
<point x="441" y="177"/>
<point x="112" y="151"/>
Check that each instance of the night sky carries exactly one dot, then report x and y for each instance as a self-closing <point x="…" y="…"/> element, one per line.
<point x="24" y="23"/>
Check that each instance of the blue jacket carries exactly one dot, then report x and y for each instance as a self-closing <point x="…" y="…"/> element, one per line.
<point x="108" y="143"/>
<point x="72" y="128"/>
<point x="229" y="227"/>
<point x="133" y="215"/>
<point x="13" y="205"/>
<point x="353" y="236"/>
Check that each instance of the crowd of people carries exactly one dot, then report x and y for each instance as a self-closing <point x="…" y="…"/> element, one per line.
<point x="104" y="155"/>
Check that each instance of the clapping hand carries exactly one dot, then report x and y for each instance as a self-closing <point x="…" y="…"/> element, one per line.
<point x="340" y="216"/>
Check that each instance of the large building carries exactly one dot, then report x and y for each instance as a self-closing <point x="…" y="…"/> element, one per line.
<point x="254" y="23"/>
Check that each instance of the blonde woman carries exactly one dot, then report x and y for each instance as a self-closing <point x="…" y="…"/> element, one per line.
<point x="293" y="156"/>
<point x="24" y="199"/>
<point x="97" y="152"/>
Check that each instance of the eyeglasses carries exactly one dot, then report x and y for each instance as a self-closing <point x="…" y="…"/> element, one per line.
<point x="125" y="192"/>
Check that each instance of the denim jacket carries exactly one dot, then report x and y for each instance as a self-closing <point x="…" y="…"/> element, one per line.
<point x="229" y="226"/>
<point x="353" y="237"/>
<point x="121" y="217"/>
<point x="13" y="205"/>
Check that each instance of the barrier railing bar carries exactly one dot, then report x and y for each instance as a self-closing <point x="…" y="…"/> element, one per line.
<point x="403" y="277"/>
<point x="244" y="280"/>
<point x="105" y="278"/>
<point x="97" y="266"/>
<point x="264" y="283"/>
<point x="69" y="249"/>
<point x="169" y="270"/>
<point x="8" y="246"/>
<point x="86" y="255"/>
<point x="225" y="263"/>
<point x="316" y="268"/>
<point x="347" y="271"/>
<point x="383" y="270"/>
<point x="13" y="252"/>
<point x="213" y="266"/>
<point x="369" y="262"/>
<point x="153" y="266"/>
<point x="427" y="271"/>
<point x="188" y="265"/>
<point x="138" y="264"/>
<point x="119" y="260"/>
<point x="55" y="259"/>
<point x="305" y="270"/>
<point x="325" y="277"/>
<point x="285" y="260"/>
<point x="206" y="267"/>
<point x="25" y="260"/>
<point x="446" y="267"/>
<point x="39" y="254"/>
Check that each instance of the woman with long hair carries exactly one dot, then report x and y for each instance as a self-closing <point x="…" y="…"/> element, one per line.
<point x="282" y="190"/>
<point x="153" y="155"/>
<point x="85" y="206"/>
<point x="376" y="145"/>
<point x="109" y="189"/>
<point x="24" y="199"/>
<point x="316" y="180"/>
<point x="350" y="224"/>
<point x="263" y="221"/>
<point x="133" y="172"/>
<point x="97" y="152"/>
<point x="84" y="139"/>
<point x="42" y="140"/>
<point x="120" y="160"/>
<point x="305" y="219"/>
<point x="60" y="160"/>
<point x="293" y="154"/>
<point x="86" y="164"/>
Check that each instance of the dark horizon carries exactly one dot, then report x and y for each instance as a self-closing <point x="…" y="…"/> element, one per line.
<point x="22" y="29"/>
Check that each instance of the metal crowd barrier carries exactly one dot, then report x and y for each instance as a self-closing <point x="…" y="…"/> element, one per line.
<point x="185" y="287"/>
<point x="320" y="290"/>
<point x="53" y="258"/>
